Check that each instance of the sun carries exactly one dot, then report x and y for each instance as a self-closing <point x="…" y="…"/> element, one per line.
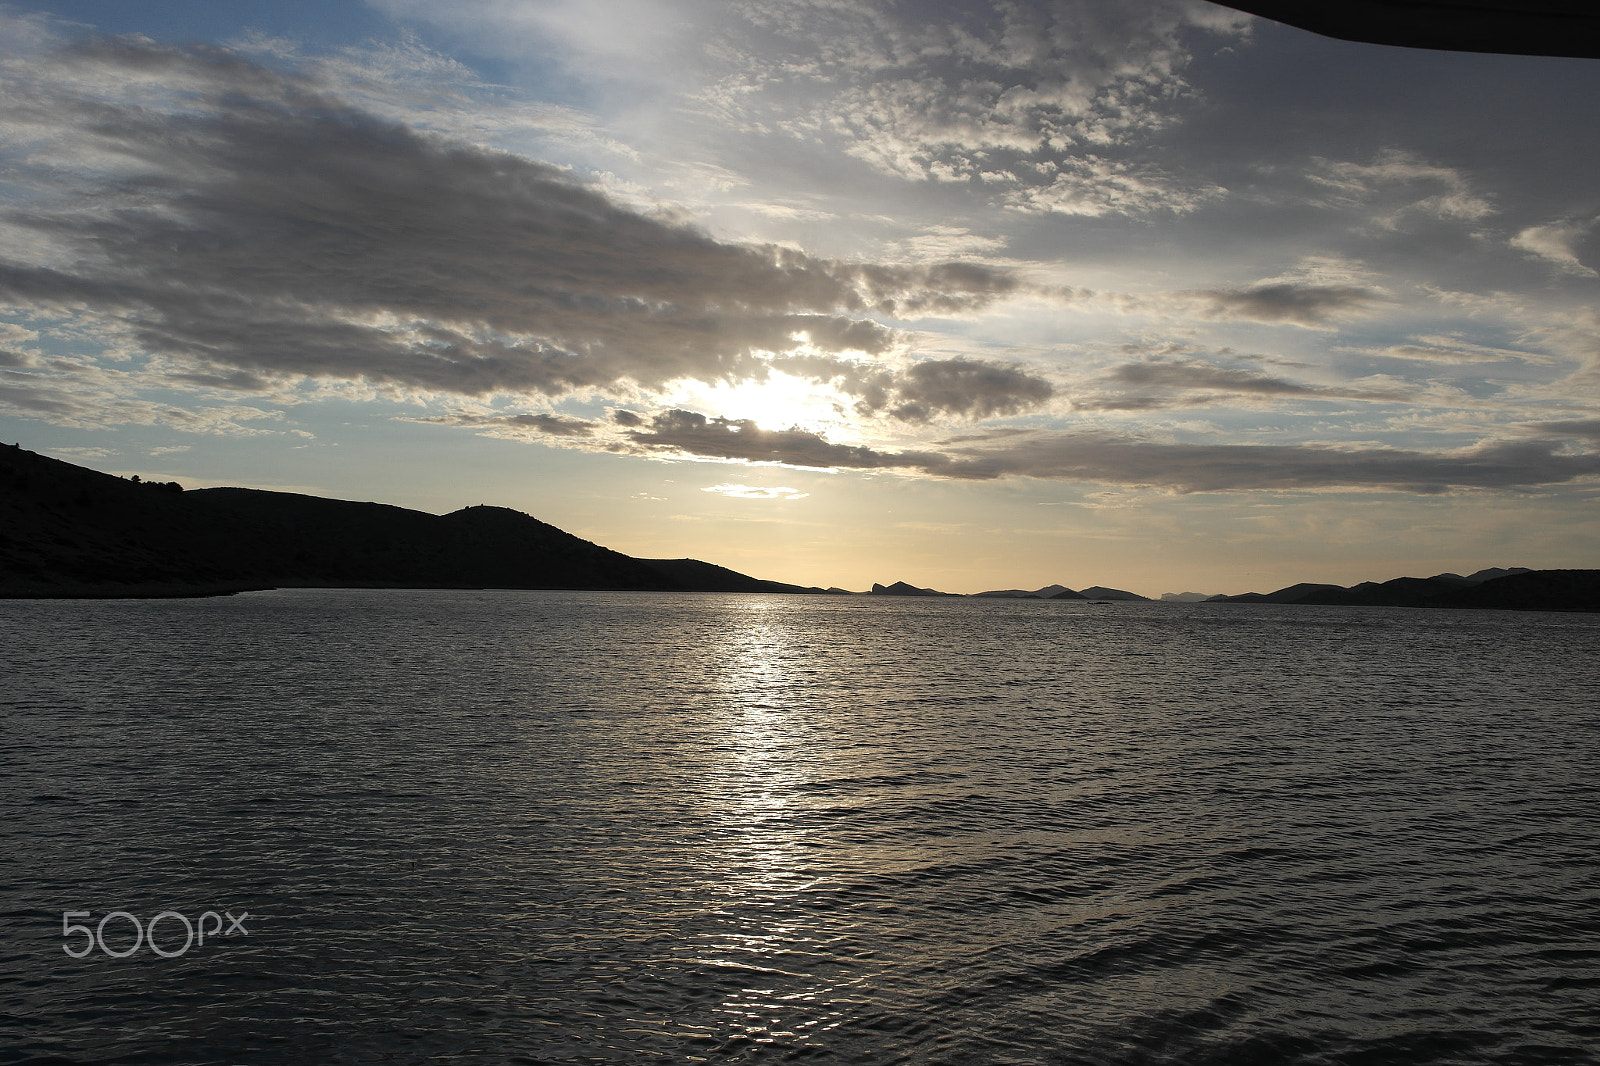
<point x="781" y="401"/>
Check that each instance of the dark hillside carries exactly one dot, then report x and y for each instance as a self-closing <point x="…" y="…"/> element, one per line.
<point x="1515" y="589"/>
<point x="709" y="577"/>
<point x="309" y="540"/>
<point x="1400" y="592"/>
<point x="1536" y="590"/>
<point x="68" y="531"/>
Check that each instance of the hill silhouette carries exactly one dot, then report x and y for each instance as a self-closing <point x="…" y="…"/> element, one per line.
<point x="1098" y="592"/>
<point x="1513" y="589"/>
<point x="709" y="577"/>
<point x="1049" y="592"/>
<point x="900" y="588"/>
<point x="69" y="531"/>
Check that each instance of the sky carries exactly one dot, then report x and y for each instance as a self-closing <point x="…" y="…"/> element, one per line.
<point x="1147" y="294"/>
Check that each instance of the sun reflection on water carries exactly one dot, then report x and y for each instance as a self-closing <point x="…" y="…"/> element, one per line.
<point x="767" y="755"/>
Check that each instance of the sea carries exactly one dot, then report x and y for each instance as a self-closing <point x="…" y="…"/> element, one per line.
<point x="394" y="826"/>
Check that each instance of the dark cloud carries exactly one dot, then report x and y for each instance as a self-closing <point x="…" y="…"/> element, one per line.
<point x="691" y="433"/>
<point x="1296" y="303"/>
<point x="1193" y="375"/>
<point x="960" y="388"/>
<point x="1186" y="377"/>
<point x="1099" y="457"/>
<point x="967" y="388"/>
<point x="994" y="433"/>
<point x="27" y="398"/>
<point x="232" y="380"/>
<point x="945" y="288"/>
<point x="1137" y="403"/>
<point x="1583" y="428"/>
<point x="518" y="425"/>
<point x="262" y="230"/>
<point x="1238" y="467"/>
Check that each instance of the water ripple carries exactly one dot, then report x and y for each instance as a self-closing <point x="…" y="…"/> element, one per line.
<point x="488" y="827"/>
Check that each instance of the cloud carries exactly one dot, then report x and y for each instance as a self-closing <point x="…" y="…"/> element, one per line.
<point x="1554" y="244"/>
<point x="752" y="492"/>
<point x="1452" y="350"/>
<point x="1185" y="468"/>
<point x="689" y="433"/>
<point x="85" y="398"/>
<point x="13" y="334"/>
<point x="1317" y="294"/>
<point x="968" y="388"/>
<point x="1092" y="456"/>
<point x="256" y="231"/>
<point x="1399" y="186"/>
<point x="1582" y="428"/>
<point x="932" y="388"/>
<point x="1185" y="377"/>
<point x="1309" y="305"/>
<point x="522" y="426"/>
<point x="1045" y="105"/>
<point x="1092" y="185"/>
<point x="81" y="455"/>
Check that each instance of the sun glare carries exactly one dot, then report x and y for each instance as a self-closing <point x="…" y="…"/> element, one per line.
<point x="781" y="401"/>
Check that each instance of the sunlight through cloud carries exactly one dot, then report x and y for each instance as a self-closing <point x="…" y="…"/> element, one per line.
<point x="756" y="492"/>
<point x="776" y="401"/>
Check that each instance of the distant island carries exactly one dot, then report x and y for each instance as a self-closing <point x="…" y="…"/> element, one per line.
<point x="900" y="588"/>
<point x="67" y="531"/>
<point x="1061" y="592"/>
<point x="1498" y="588"/>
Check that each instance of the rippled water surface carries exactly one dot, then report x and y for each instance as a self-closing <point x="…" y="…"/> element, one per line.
<point x="483" y="827"/>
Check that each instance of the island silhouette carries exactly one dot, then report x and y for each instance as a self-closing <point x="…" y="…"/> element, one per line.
<point x="68" y="531"/>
